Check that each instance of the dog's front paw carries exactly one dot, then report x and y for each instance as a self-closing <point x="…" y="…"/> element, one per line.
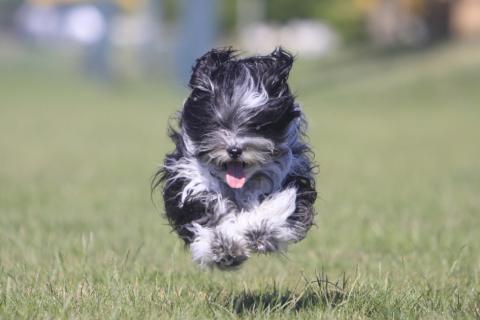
<point x="262" y="240"/>
<point x="228" y="252"/>
<point x="267" y="228"/>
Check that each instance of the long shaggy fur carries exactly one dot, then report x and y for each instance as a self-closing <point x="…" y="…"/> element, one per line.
<point x="245" y="103"/>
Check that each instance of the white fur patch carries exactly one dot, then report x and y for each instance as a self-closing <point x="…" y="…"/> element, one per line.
<point x="272" y="213"/>
<point x="188" y="143"/>
<point x="201" y="247"/>
<point x="248" y="96"/>
<point x="197" y="176"/>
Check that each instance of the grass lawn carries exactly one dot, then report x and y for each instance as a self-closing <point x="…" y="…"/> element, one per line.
<point x="398" y="218"/>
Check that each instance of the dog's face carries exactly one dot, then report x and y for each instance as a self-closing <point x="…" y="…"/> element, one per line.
<point x="240" y="114"/>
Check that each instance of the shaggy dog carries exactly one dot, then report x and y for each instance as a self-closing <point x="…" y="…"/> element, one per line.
<point x="240" y="180"/>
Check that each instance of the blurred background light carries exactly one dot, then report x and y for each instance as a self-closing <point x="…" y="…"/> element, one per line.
<point x="85" y="24"/>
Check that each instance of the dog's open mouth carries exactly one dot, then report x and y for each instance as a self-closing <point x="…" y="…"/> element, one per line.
<point x="235" y="175"/>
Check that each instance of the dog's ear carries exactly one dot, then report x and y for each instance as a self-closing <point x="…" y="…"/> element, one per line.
<point x="279" y="66"/>
<point x="283" y="62"/>
<point x="206" y="65"/>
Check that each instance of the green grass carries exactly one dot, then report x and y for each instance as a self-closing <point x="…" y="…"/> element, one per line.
<point x="398" y="235"/>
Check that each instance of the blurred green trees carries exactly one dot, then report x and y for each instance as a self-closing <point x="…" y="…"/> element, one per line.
<point x="344" y="16"/>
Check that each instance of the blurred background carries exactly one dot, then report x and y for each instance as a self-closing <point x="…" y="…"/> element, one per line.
<point x="117" y="39"/>
<point x="391" y="89"/>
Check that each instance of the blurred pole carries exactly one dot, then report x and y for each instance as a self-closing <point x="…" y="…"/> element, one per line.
<point x="98" y="54"/>
<point x="153" y="26"/>
<point x="197" y="34"/>
<point x="437" y="17"/>
<point x="249" y="12"/>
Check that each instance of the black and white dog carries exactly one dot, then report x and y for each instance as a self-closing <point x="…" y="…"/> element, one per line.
<point x="240" y="179"/>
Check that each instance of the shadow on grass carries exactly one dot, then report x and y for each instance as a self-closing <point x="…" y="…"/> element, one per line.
<point x="320" y="292"/>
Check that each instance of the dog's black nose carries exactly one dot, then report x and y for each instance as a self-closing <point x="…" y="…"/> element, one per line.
<point x="234" y="152"/>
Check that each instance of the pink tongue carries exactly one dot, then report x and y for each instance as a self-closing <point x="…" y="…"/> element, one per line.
<point x="235" y="175"/>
